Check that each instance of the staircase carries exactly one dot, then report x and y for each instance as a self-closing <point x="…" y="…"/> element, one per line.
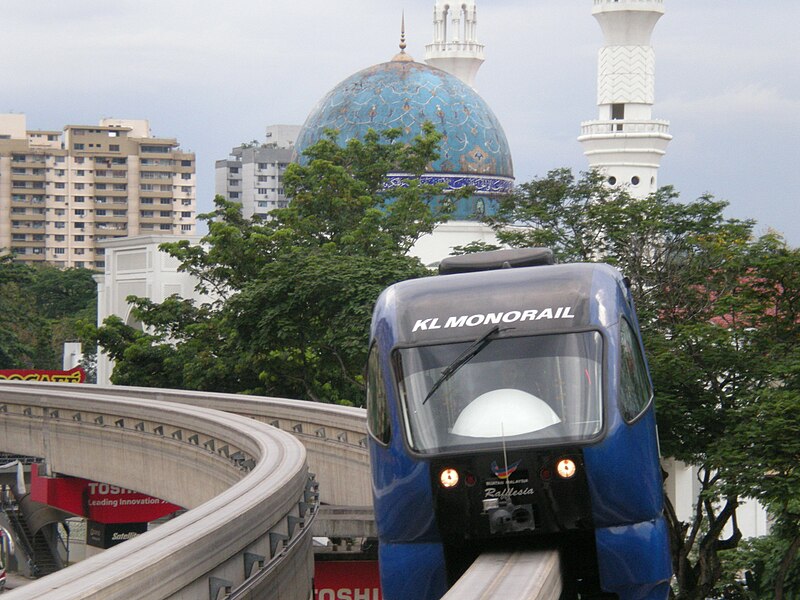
<point x="41" y="560"/>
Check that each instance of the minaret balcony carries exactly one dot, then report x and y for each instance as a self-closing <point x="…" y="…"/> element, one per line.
<point x="467" y="49"/>
<point x="623" y="126"/>
<point x="626" y="4"/>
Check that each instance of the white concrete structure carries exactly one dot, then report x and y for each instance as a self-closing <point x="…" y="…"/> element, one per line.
<point x="455" y="46"/>
<point x="625" y="142"/>
<point x="135" y="266"/>
<point x="432" y="248"/>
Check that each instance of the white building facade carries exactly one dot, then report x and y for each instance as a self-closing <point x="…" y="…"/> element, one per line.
<point x="63" y="192"/>
<point x="253" y="174"/>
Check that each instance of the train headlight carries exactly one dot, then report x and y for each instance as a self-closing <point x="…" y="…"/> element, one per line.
<point x="449" y="478"/>
<point x="566" y="468"/>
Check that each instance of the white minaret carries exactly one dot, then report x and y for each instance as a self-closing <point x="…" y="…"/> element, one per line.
<point x="625" y="142"/>
<point x="455" y="46"/>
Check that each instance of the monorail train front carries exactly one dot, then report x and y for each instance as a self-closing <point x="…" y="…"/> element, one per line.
<point x="512" y="407"/>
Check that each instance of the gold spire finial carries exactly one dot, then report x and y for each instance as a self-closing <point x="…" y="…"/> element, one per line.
<point x="402" y="56"/>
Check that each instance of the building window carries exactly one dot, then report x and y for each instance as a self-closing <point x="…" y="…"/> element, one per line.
<point x="186" y="163"/>
<point x="78" y="238"/>
<point x="60" y="251"/>
<point x="61" y="225"/>
<point x="79" y="250"/>
<point x="165" y="227"/>
<point x="113" y="147"/>
<point x="60" y="185"/>
<point x="147" y="200"/>
<point x="79" y="212"/>
<point x="77" y="146"/>
<point x="166" y="213"/>
<point x="186" y="214"/>
<point x="233" y="195"/>
<point x="186" y="175"/>
<point x="59" y="238"/>
<point x="186" y="227"/>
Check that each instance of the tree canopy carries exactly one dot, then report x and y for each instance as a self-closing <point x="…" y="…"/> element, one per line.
<point x="41" y="308"/>
<point x="290" y="296"/>
<point x="719" y="314"/>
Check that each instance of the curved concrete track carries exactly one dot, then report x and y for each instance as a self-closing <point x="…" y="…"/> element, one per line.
<point x="246" y="485"/>
<point x="503" y="575"/>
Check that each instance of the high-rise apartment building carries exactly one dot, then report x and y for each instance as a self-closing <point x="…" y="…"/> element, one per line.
<point x="253" y="174"/>
<point x="61" y="192"/>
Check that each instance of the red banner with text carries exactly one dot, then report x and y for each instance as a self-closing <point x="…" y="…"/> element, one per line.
<point x="99" y="502"/>
<point x="76" y="375"/>
<point x="347" y="580"/>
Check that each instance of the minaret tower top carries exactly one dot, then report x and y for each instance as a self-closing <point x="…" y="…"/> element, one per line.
<point x="625" y="141"/>
<point x="455" y="46"/>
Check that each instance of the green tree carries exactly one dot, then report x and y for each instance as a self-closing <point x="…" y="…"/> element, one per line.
<point x="291" y="296"/>
<point x="707" y="329"/>
<point x="41" y="307"/>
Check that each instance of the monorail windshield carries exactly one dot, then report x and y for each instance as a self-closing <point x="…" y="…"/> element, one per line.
<point x="516" y="390"/>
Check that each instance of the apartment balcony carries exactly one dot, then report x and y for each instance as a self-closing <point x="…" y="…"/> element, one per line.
<point x="28" y="176"/>
<point x="155" y="220"/>
<point x="109" y="226"/>
<point x="28" y="227"/>
<point x="110" y="179"/>
<point x="28" y="244"/>
<point x="151" y="193"/>
<point x="37" y="162"/>
<point x="155" y="167"/>
<point x="111" y="218"/>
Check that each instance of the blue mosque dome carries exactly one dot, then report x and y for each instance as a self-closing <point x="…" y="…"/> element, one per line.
<point x="405" y="94"/>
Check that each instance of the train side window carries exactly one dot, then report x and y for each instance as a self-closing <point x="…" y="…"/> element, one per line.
<point x="377" y="400"/>
<point x="635" y="392"/>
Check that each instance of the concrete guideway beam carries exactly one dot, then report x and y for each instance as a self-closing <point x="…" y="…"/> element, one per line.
<point x="246" y="485"/>
<point x="519" y="575"/>
<point x="335" y="436"/>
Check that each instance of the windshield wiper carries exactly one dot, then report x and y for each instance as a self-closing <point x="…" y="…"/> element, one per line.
<point x="463" y="359"/>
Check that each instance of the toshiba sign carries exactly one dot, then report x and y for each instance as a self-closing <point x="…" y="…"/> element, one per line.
<point x="100" y="502"/>
<point x="347" y="580"/>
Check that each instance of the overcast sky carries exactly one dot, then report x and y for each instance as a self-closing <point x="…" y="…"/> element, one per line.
<point x="214" y="74"/>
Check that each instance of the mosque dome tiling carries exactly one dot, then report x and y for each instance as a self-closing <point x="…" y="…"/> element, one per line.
<point x="404" y="94"/>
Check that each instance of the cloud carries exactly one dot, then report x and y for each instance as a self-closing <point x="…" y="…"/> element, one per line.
<point x="749" y="102"/>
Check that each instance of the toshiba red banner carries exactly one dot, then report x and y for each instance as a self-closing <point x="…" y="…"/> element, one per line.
<point x="347" y="580"/>
<point x="99" y="502"/>
<point x="76" y="375"/>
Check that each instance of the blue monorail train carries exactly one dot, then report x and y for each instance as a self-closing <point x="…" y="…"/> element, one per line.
<point x="512" y="407"/>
